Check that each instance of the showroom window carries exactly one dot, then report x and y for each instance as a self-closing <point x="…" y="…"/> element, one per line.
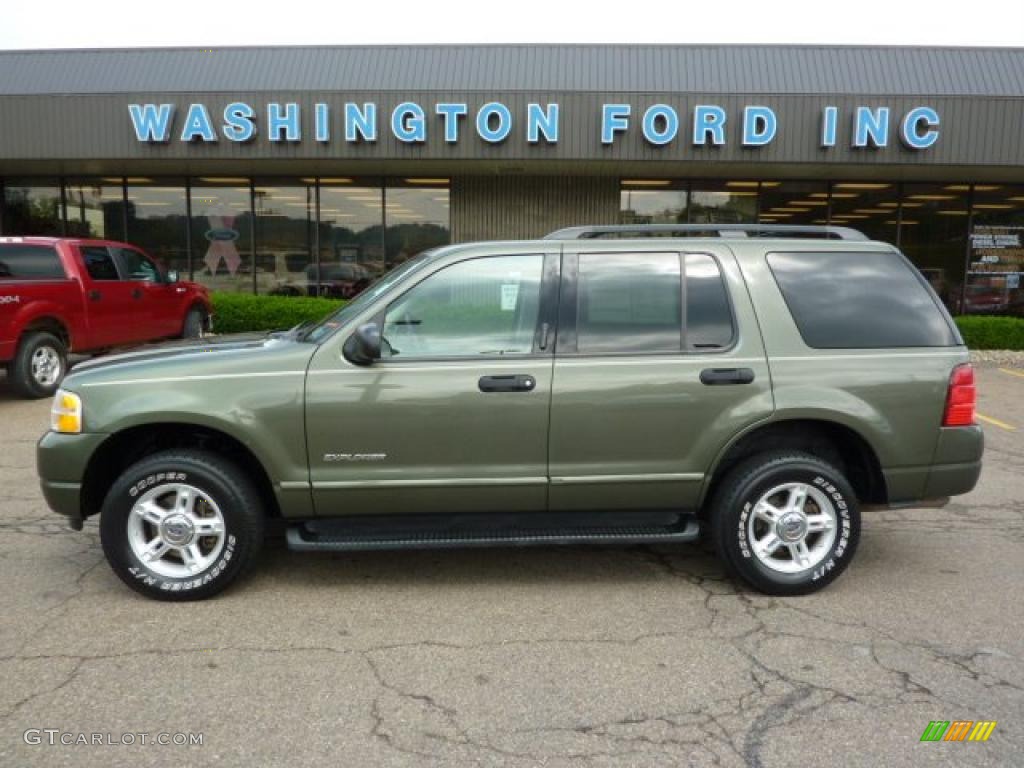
<point x="221" y="227"/>
<point x="95" y="208"/>
<point x="793" y="202"/>
<point x="285" y="237"/>
<point x="873" y="207"/>
<point x="723" y="202"/>
<point x="652" y="201"/>
<point x="157" y="216"/>
<point x="933" y="234"/>
<point x="32" y="207"/>
<point x="351" y="236"/>
<point x="415" y="217"/>
<point x="996" y="251"/>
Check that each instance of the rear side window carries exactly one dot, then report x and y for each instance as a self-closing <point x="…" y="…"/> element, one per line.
<point x="630" y="302"/>
<point x="30" y="262"/>
<point x="709" y="322"/>
<point x="860" y="301"/>
<point x="99" y="263"/>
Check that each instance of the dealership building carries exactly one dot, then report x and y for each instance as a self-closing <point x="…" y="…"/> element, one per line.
<point x="282" y="170"/>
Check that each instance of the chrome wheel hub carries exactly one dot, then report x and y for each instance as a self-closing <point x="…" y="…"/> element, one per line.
<point x="792" y="527"/>
<point x="46" y="366"/>
<point x="176" y="530"/>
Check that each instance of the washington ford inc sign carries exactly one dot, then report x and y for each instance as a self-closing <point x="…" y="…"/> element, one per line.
<point x="493" y="123"/>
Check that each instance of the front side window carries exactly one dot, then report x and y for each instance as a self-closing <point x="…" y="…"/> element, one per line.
<point x="99" y="263"/>
<point x="138" y="267"/>
<point x="486" y="306"/>
<point x="629" y="302"/>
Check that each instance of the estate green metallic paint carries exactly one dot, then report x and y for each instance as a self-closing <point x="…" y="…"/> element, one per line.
<point x="597" y="432"/>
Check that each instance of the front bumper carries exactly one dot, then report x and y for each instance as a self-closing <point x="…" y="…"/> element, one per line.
<point x="61" y="461"/>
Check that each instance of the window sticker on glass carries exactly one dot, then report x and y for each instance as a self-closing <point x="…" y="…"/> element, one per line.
<point x="509" y="296"/>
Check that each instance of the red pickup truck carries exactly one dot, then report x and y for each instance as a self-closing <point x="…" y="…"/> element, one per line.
<point x="59" y="295"/>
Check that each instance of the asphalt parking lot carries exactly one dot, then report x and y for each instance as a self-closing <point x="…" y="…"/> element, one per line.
<point x="556" y="657"/>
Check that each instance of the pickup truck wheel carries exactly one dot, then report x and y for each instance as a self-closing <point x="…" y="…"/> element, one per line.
<point x="181" y="525"/>
<point x="786" y="523"/>
<point x="194" y="325"/>
<point x="39" y="365"/>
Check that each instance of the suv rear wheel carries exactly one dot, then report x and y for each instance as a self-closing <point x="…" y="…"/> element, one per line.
<point x="786" y="523"/>
<point x="181" y="525"/>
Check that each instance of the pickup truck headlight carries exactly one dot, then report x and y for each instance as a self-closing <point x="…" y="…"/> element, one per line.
<point x="66" y="413"/>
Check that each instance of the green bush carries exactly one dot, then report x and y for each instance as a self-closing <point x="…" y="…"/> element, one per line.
<point x="238" y="312"/>
<point x="992" y="332"/>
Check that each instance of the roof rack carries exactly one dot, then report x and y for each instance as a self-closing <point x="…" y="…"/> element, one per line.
<point x="705" y="230"/>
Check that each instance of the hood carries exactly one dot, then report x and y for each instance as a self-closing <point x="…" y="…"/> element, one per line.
<point x="165" y="350"/>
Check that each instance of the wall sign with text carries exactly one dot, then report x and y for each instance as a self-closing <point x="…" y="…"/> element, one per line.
<point x="539" y="123"/>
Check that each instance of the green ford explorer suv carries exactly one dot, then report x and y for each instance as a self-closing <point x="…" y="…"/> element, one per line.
<point x="609" y="385"/>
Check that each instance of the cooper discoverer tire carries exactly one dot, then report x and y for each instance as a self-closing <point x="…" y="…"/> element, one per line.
<point x="39" y="365"/>
<point x="181" y="525"/>
<point x="785" y="522"/>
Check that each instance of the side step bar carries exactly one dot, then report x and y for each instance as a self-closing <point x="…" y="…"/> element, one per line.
<point x="316" y="537"/>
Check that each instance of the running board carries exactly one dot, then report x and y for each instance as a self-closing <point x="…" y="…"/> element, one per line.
<point x="306" y="537"/>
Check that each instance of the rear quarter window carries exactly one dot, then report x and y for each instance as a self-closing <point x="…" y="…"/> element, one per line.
<point x="866" y="300"/>
<point x="30" y="262"/>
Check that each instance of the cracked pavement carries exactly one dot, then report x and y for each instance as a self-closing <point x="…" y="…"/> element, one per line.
<point x="556" y="657"/>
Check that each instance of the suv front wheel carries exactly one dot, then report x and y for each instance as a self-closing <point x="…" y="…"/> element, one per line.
<point x="181" y="525"/>
<point x="787" y="523"/>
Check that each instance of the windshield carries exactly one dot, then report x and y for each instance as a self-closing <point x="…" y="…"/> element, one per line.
<point x="321" y="330"/>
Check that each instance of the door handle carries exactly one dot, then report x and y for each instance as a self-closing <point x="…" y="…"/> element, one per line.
<point x="137" y="293"/>
<point x="714" y="377"/>
<point x="95" y="295"/>
<point x="518" y="382"/>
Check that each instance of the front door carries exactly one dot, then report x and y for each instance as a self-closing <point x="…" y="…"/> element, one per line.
<point x="158" y="301"/>
<point x="454" y="417"/>
<point x="658" y="363"/>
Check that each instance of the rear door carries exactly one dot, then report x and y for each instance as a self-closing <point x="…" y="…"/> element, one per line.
<point x="658" y="363"/>
<point x="114" y="306"/>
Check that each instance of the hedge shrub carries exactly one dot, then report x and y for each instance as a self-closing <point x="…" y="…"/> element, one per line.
<point x="237" y="312"/>
<point x="992" y="332"/>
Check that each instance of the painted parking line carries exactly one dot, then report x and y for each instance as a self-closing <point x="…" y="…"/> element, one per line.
<point x="995" y="422"/>
<point x="1012" y="372"/>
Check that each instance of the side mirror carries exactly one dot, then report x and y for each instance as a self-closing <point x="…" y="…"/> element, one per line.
<point x="363" y="346"/>
<point x="172" y="275"/>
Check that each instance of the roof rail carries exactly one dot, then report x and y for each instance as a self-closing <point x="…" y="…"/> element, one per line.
<point x="705" y="230"/>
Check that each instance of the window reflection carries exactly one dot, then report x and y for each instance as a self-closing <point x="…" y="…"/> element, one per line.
<point x="32" y="207"/>
<point x="416" y="217"/>
<point x="95" y="208"/>
<point x="221" y="239"/>
<point x="726" y="202"/>
<point x="156" y="213"/>
<point x="652" y="202"/>
<point x="285" y="231"/>
<point x="933" y="235"/>
<point x="351" y="237"/>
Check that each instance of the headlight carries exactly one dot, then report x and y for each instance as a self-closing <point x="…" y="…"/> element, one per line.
<point x="66" y="413"/>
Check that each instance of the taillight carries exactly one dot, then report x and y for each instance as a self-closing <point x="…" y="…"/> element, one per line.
<point x="961" y="398"/>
